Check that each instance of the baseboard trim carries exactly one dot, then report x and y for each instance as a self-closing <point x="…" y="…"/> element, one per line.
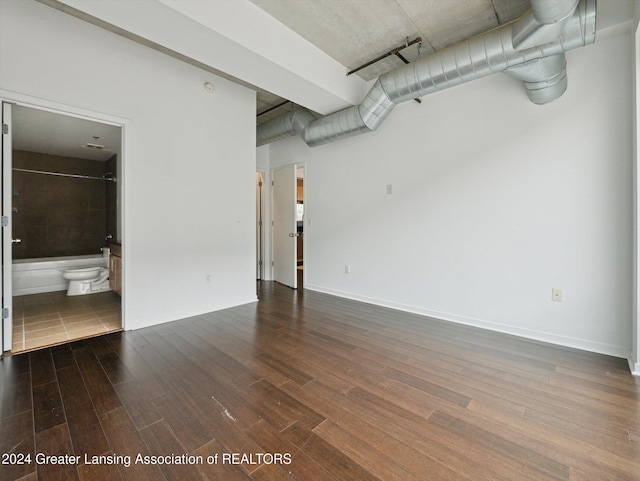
<point x="634" y="367"/>
<point x="582" y="344"/>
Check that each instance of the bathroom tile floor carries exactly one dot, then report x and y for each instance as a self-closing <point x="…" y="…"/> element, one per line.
<point x="51" y="318"/>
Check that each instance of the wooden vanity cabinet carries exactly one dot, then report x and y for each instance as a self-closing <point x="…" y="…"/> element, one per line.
<point x="115" y="268"/>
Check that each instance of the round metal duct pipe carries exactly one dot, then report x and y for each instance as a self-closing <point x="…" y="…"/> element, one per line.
<point x="527" y="49"/>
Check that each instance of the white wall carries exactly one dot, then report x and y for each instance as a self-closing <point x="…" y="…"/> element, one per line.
<point x="495" y="202"/>
<point x="189" y="205"/>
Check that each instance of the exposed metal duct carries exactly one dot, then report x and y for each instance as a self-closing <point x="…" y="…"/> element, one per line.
<point x="552" y="11"/>
<point x="542" y="35"/>
<point x="545" y="79"/>
<point x="544" y="23"/>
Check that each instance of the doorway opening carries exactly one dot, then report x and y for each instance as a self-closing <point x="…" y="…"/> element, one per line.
<point x="300" y="225"/>
<point x="287" y="225"/>
<point x="65" y="213"/>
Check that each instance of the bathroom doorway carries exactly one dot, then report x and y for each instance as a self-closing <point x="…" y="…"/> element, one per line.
<point x="64" y="212"/>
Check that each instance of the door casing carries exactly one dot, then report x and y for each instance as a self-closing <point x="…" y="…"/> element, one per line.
<point x="12" y="98"/>
<point x="7" y="260"/>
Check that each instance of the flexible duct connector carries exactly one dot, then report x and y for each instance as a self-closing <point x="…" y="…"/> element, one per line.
<point x="541" y="66"/>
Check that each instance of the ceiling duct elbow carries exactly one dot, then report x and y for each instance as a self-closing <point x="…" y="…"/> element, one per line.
<point x="362" y="118"/>
<point x="375" y="107"/>
<point x="545" y="79"/>
<point x="549" y="29"/>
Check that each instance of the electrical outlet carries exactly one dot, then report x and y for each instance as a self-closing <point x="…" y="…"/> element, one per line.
<point x="556" y="295"/>
<point x="389" y="189"/>
<point x="207" y="279"/>
<point x="347" y="269"/>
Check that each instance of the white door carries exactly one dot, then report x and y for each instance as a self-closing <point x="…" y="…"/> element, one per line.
<point x="7" y="299"/>
<point x="284" y="226"/>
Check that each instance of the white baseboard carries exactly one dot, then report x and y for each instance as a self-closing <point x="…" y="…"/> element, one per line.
<point x="634" y="367"/>
<point x="576" y="343"/>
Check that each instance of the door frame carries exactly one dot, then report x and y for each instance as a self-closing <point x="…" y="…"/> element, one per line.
<point x="22" y="100"/>
<point x="261" y="189"/>
<point x="7" y="258"/>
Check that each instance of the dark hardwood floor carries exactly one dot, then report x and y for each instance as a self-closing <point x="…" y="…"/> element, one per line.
<point x="305" y="386"/>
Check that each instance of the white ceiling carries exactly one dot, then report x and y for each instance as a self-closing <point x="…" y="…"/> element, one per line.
<point x="46" y="132"/>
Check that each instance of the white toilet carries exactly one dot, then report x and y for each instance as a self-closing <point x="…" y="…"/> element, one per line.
<point x="88" y="280"/>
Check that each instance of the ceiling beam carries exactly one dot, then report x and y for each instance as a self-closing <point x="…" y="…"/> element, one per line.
<point x="231" y="38"/>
